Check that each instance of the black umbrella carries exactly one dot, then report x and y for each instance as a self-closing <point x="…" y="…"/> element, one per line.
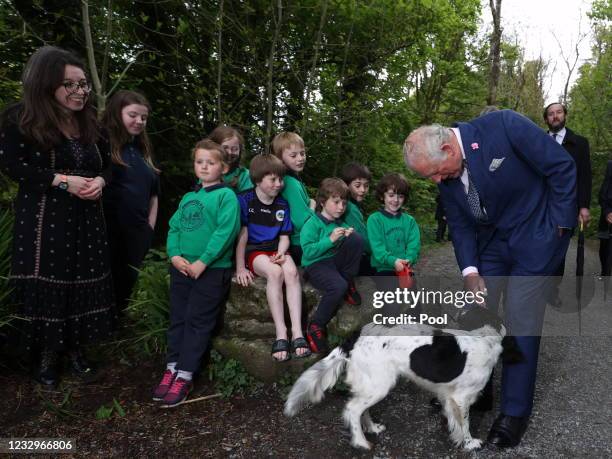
<point x="579" y="274"/>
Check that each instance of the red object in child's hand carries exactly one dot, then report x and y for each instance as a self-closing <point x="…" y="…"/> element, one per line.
<point x="405" y="277"/>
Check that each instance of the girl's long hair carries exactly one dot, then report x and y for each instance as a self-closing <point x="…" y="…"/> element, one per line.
<point x="40" y="115"/>
<point x="118" y="135"/>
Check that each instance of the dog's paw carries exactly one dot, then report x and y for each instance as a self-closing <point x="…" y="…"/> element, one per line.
<point x="376" y="428"/>
<point x="361" y="444"/>
<point x="472" y="444"/>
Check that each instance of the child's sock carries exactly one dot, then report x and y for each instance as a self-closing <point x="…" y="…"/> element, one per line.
<point x="186" y="375"/>
<point x="171" y="366"/>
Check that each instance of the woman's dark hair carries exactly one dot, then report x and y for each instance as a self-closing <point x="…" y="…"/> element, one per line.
<point x="41" y="117"/>
<point x="118" y="136"/>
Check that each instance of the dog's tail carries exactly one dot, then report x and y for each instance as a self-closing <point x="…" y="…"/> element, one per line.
<point x="311" y="386"/>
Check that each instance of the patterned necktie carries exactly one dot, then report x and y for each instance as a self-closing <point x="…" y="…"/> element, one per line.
<point x="473" y="198"/>
<point x="554" y="136"/>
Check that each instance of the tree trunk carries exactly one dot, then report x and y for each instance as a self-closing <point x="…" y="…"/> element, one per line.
<point x="91" y="58"/>
<point x="494" y="52"/>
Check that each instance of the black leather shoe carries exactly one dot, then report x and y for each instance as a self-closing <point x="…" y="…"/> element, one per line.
<point x="81" y="367"/>
<point x="507" y="431"/>
<point x="47" y="373"/>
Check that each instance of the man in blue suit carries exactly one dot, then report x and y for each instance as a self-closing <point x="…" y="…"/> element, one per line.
<point x="510" y="200"/>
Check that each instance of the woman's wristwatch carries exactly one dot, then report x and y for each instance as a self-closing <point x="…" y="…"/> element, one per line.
<point x="63" y="183"/>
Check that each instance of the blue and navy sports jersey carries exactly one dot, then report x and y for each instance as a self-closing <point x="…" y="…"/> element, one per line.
<point x="265" y="223"/>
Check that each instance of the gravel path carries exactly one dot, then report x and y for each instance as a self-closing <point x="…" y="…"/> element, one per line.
<point x="572" y="415"/>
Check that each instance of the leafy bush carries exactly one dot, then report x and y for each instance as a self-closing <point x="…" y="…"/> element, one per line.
<point x="149" y="307"/>
<point x="6" y="234"/>
<point x="229" y="375"/>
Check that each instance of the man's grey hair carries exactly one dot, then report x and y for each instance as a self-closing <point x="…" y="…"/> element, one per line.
<point x="423" y="144"/>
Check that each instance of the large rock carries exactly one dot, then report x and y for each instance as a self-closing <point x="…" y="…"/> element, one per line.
<point x="248" y="330"/>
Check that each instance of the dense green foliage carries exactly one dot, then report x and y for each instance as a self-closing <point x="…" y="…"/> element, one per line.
<point x="353" y="78"/>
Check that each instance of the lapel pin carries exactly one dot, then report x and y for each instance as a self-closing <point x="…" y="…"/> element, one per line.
<point x="474" y="146"/>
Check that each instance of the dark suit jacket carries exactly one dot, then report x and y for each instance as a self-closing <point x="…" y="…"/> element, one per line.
<point x="605" y="199"/>
<point x="578" y="147"/>
<point x="526" y="182"/>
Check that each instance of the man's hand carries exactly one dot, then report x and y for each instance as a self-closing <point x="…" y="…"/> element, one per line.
<point x="609" y="218"/>
<point x="180" y="264"/>
<point x="584" y="216"/>
<point x="473" y="282"/>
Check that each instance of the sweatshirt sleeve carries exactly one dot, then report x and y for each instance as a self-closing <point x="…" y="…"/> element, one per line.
<point x="227" y="227"/>
<point x="313" y="241"/>
<point x="173" y="247"/>
<point x="413" y="236"/>
<point x="377" y="241"/>
<point x="298" y="203"/>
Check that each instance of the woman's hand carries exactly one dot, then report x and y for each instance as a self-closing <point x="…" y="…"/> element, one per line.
<point x="76" y="184"/>
<point x="93" y="189"/>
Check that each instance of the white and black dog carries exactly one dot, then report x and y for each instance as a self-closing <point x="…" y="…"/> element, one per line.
<point x="454" y="364"/>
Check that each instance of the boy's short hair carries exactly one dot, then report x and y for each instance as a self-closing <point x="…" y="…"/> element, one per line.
<point x="284" y="140"/>
<point x="353" y="171"/>
<point x="394" y="181"/>
<point x="331" y="187"/>
<point x="207" y="144"/>
<point x="265" y="164"/>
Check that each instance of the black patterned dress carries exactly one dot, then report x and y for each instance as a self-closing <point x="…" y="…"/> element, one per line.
<point x="60" y="270"/>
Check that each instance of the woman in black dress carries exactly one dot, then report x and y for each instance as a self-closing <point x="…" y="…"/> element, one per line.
<point x="131" y="199"/>
<point x="60" y="270"/>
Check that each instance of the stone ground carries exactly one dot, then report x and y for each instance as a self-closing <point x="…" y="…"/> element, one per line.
<point x="571" y="417"/>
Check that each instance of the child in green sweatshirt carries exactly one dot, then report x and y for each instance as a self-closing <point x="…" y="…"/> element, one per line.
<point x="289" y="148"/>
<point x="357" y="177"/>
<point x="200" y="245"/>
<point x="332" y="251"/>
<point x="394" y="238"/>
<point x="237" y="177"/>
<point x="394" y="235"/>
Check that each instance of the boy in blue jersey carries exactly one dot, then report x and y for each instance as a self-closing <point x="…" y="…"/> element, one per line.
<point x="262" y="250"/>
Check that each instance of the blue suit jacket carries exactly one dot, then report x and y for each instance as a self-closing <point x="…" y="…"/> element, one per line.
<point x="526" y="182"/>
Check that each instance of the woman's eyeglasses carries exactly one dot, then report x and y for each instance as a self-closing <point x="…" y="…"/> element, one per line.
<point x="74" y="86"/>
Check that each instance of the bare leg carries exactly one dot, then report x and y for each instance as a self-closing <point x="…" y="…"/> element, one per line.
<point x="273" y="274"/>
<point x="294" y="298"/>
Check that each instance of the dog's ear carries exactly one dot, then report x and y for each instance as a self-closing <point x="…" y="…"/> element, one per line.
<point x="511" y="352"/>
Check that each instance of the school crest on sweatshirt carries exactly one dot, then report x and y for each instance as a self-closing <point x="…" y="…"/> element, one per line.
<point x="192" y="215"/>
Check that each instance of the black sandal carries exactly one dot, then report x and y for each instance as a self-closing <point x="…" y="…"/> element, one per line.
<point x="281" y="345"/>
<point x="300" y="343"/>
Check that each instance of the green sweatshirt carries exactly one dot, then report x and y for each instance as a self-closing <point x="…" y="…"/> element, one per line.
<point x="205" y="226"/>
<point x="392" y="237"/>
<point x="354" y="218"/>
<point x="315" y="241"/>
<point x="241" y="176"/>
<point x="296" y="195"/>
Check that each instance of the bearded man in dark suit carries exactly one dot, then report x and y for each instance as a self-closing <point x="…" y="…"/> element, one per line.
<point x="555" y="116"/>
